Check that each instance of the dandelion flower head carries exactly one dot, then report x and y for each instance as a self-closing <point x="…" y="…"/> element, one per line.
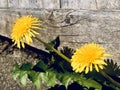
<point x="89" y="56"/>
<point x="24" y="29"/>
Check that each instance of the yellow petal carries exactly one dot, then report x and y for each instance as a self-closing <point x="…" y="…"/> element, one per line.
<point x="34" y="32"/>
<point x="87" y="70"/>
<point x="100" y="66"/>
<point x="81" y="68"/>
<point x="18" y="44"/>
<point x="96" y="67"/>
<point x="99" y="62"/>
<point x="23" y="45"/>
<point x="90" y="67"/>
<point x="107" y="54"/>
<point x="75" y="66"/>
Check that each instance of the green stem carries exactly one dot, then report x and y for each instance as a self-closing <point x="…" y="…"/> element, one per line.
<point x="52" y="48"/>
<point x="110" y="79"/>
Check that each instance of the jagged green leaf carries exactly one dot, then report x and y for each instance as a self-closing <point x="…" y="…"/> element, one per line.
<point x="64" y="78"/>
<point x="35" y="78"/>
<point x="16" y="71"/>
<point x="23" y="77"/>
<point x="91" y="83"/>
<point x="79" y="78"/>
<point x="49" y="77"/>
<point x="26" y="66"/>
<point x="40" y="66"/>
<point x="20" y="74"/>
<point x="37" y="83"/>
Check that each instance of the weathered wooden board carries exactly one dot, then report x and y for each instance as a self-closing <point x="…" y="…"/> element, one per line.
<point x="47" y="4"/>
<point x="61" y="4"/>
<point x="90" y="4"/>
<point x="3" y="3"/>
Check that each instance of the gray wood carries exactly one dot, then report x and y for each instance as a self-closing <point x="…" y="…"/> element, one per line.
<point x="3" y="3"/>
<point x="62" y="4"/>
<point x="90" y="4"/>
<point x="31" y="4"/>
<point x="24" y="4"/>
<point x="72" y="4"/>
<point x="36" y="4"/>
<point x="78" y="4"/>
<point x="51" y="4"/>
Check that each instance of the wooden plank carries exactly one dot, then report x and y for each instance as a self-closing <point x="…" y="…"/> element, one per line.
<point x="78" y="4"/>
<point x="24" y="4"/>
<point x="70" y="4"/>
<point x="51" y="4"/>
<point x="13" y="3"/>
<point x="3" y="3"/>
<point x="108" y="4"/>
<point x="90" y="4"/>
<point x="63" y="4"/>
<point x="36" y="4"/>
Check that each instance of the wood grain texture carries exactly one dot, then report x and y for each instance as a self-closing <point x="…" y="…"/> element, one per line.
<point x="62" y="4"/>
<point x="72" y="4"/>
<point x="51" y="4"/>
<point x="90" y="4"/>
<point x="3" y="3"/>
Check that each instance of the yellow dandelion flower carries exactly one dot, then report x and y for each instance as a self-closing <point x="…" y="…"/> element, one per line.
<point x="89" y="56"/>
<point x="24" y="29"/>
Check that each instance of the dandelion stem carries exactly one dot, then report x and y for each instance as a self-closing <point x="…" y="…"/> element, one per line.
<point x="52" y="48"/>
<point x="110" y="79"/>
